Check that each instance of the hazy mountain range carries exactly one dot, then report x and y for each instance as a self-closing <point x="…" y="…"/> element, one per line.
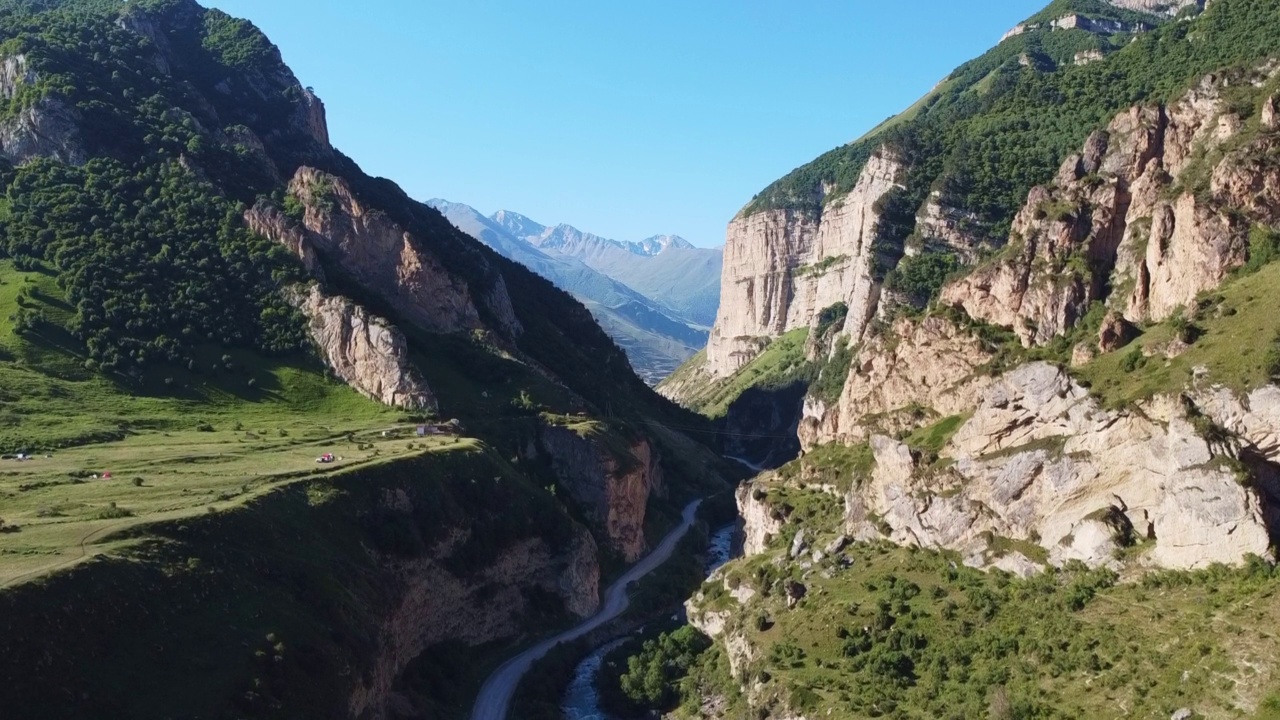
<point x="656" y="297"/>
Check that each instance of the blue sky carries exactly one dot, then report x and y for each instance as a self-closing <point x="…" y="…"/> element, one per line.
<point x="623" y="118"/>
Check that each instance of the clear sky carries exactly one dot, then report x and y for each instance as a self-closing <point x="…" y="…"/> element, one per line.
<point x="626" y="118"/>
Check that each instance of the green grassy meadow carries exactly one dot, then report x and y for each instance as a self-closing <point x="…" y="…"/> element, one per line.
<point x="177" y="442"/>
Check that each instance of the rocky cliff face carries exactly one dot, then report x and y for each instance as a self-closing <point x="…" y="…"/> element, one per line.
<point x="917" y="370"/>
<point x="761" y="522"/>
<point x="435" y="605"/>
<point x="46" y="128"/>
<point x="613" y="486"/>
<point x="1041" y="464"/>
<point x="1153" y="211"/>
<point x="1158" y="7"/>
<point x="781" y="267"/>
<point x="365" y="351"/>
<point x="381" y="255"/>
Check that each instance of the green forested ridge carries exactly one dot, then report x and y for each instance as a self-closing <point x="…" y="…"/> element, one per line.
<point x="172" y="117"/>
<point x="154" y="263"/>
<point x="143" y="333"/>
<point x="995" y="128"/>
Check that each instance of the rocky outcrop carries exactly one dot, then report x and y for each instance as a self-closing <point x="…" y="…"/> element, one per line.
<point x="1102" y="26"/>
<point x="436" y="605"/>
<point x="940" y="224"/>
<point x="311" y="118"/>
<point x="379" y="254"/>
<point x="1131" y="221"/>
<point x="612" y="485"/>
<point x="1115" y="333"/>
<point x="14" y="75"/>
<point x="781" y="267"/>
<point x="365" y="351"/>
<point x="1048" y="275"/>
<point x="47" y="129"/>
<point x="920" y="369"/>
<point x="141" y="23"/>
<point x="1158" y="7"/>
<point x="761" y="521"/>
<point x="268" y="221"/>
<point x="1041" y="463"/>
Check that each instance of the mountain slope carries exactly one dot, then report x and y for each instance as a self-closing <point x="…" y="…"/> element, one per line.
<point x="655" y="342"/>
<point x="291" y="443"/>
<point x="1033" y="326"/>
<point x="920" y="191"/>
<point x="666" y="268"/>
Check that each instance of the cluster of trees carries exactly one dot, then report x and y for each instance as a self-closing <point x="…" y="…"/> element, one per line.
<point x="904" y="646"/>
<point x="645" y="675"/>
<point x="153" y="260"/>
<point x="146" y="240"/>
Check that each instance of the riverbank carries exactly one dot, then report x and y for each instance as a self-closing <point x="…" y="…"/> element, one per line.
<point x="494" y="701"/>
<point x="582" y="698"/>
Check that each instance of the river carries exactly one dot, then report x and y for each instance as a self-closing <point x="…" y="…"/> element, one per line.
<point x="581" y="700"/>
<point x="495" y="695"/>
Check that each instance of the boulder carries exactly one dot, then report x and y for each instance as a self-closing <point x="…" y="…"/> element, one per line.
<point x="795" y="593"/>
<point x="1115" y="333"/>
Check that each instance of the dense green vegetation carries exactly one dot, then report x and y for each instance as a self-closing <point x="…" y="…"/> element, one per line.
<point x="919" y="278"/>
<point x="996" y="127"/>
<point x="1235" y="335"/>
<point x="645" y="673"/>
<point x="910" y="633"/>
<point x="155" y="264"/>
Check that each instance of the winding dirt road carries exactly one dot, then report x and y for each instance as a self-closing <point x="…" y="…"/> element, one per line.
<point x="494" y="701"/>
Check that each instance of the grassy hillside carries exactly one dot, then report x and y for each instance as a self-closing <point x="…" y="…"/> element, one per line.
<point x="906" y="632"/>
<point x="782" y="364"/>
<point x="273" y="609"/>
<point x="1235" y="341"/>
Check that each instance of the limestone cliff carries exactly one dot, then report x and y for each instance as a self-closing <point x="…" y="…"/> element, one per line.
<point x="1040" y="463"/>
<point x="381" y="255"/>
<point x="930" y="364"/>
<point x="781" y="267"/>
<point x="365" y="351"/>
<point x="612" y="484"/>
<point x="1155" y="210"/>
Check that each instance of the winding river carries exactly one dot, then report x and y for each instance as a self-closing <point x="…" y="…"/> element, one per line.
<point x="494" y="701"/>
<point x="581" y="700"/>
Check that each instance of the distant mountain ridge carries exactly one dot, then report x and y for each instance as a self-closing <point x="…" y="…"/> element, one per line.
<point x="666" y="268"/>
<point x="656" y="336"/>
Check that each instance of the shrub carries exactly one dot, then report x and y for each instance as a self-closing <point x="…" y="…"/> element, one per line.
<point x="1133" y="361"/>
<point x="1272" y="358"/>
<point x="1264" y="248"/>
<point x="114" y="512"/>
<point x="920" y="277"/>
